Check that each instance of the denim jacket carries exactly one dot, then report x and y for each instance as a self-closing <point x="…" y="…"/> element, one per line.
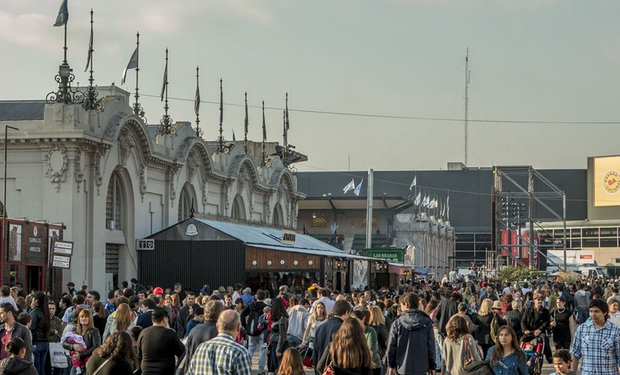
<point x="511" y="365"/>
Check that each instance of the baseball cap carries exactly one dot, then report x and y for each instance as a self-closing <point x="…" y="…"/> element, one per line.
<point x="158" y="290"/>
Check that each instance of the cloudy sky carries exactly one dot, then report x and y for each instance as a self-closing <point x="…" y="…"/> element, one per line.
<point x="377" y="82"/>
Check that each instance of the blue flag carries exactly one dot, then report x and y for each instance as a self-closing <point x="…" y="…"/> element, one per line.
<point x="358" y="188"/>
<point x="63" y="14"/>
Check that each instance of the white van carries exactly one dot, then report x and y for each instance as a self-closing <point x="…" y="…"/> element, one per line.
<point x="594" y="272"/>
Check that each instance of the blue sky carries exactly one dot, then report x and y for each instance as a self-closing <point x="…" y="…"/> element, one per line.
<point x="530" y="60"/>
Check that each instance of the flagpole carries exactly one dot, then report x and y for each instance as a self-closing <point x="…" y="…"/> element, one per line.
<point x="65" y="47"/>
<point x="199" y="132"/>
<point x="220" y="139"/>
<point x="165" y="124"/>
<point x="136" y="106"/>
<point x="90" y="101"/>
<point x="245" y="125"/>
<point x="264" y="156"/>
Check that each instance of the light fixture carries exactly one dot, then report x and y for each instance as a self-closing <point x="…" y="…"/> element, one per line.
<point x="296" y="262"/>
<point x="282" y="261"/>
<point x="269" y="263"/>
<point x="254" y="262"/>
<point x="310" y="262"/>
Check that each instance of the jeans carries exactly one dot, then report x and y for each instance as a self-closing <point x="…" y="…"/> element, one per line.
<point x="583" y="314"/>
<point x="253" y="343"/>
<point x="40" y="350"/>
<point x="293" y="341"/>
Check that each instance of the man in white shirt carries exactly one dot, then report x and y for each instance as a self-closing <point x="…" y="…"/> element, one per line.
<point x="323" y="296"/>
<point x="614" y="314"/>
<point x="5" y="297"/>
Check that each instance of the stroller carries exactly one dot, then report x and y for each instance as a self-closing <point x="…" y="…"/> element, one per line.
<point x="534" y="354"/>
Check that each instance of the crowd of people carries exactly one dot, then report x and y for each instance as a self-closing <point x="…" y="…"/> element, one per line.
<point x="457" y="326"/>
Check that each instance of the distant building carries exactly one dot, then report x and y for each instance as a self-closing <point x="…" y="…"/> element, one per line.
<point x="112" y="179"/>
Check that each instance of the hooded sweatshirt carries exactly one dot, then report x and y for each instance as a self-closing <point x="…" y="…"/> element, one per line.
<point x="19" y="366"/>
<point x="411" y="346"/>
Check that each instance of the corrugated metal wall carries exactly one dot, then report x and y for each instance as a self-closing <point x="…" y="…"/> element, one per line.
<point x="193" y="264"/>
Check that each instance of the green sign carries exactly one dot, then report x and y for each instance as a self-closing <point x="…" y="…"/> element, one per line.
<point x="393" y="255"/>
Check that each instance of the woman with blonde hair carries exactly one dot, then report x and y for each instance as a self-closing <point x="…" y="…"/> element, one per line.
<point x="458" y="347"/>
<point x="85" y="327"/>
<point x="123" y="319"/>
<point x="318" y="317"/>
<point x="348" y="352"/>
<point x="483" y="321"/>
<point x="377" y="321"/>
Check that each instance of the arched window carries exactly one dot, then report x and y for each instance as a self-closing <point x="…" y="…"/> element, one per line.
<point x="185" y="204"/>
<point x="238" y="209"/>
<point x="114" y="203"/>
<point x="278" y="216"/>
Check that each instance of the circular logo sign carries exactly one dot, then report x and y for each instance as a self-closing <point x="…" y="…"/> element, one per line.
<point x="611" y="181"/>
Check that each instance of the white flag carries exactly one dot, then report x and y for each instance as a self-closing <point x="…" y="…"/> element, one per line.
<point x="413" y="183"/>
<point x="132" y="64"/>
<point x="418" y="199"/>
<point x="426" y="201"/>
<point x="350" y="186"/>
<point x="358" y="188"/>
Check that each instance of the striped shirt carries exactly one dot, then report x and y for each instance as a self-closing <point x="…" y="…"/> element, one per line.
<point x="598" y="348"/>
<point x="220" y="356"/>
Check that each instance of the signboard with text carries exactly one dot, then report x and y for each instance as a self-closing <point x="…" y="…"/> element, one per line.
<point x="393" y="255"/>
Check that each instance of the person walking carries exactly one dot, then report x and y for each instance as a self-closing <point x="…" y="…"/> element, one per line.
<point x="298" y="320"/>
<point x="222" y="355"/>
<point x="11" y="329"/>
<point x="562" y="322"/>
<point x="278" y="340"/>
<point x="582" y="301"/>
<point x="348" y="352"/>
<point x="363" y="316"/>
<point x="115" y="357"/>
<point x="411" y="331"/>
<point x="597" y="343"/>
<point x="249" y="320"/>
<point x="324" y="333"/>
<point x="318" y="317"/>
<point x="158" y="346"/>
<point x="40" y="328"/>
<point x="201" y="333"/>
<point x="91" y="338"/>
<point x="457" y="347"/>
<point x="506" y="357"/>
<point x="535" y="322"/>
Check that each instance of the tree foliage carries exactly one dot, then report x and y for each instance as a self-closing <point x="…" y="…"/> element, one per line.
<point x="512" y="274"/>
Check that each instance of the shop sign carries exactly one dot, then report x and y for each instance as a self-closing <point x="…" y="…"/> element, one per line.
<point x="392" y="255"/>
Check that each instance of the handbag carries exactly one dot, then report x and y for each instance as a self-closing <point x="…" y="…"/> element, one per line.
<point x="101" y="366"/>
<point x="58" y="355"/>
<point x="473" y="366"/>
<point x="329" y="370"/>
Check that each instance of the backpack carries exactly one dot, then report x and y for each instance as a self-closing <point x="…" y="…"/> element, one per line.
<point x="494" y="328"/>
<point x="254" y="319"/>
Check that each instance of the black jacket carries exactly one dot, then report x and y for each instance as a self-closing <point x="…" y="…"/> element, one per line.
<point x="201" y="333"/>
<point x="92" y="339"/>
<point x="254" y="305"/>
<point x="323" y="337"/>
<point x="37" y="326"/>
<point x="447" y="307"/>
<point x="17" y="366"/>
<point x="535" y="319"/>
<point x="23" y="333"/>
<point x="513" y="319"/>
<point x="411" y="348"/>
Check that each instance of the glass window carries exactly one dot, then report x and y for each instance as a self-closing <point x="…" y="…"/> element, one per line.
<point x="114" y="203"/>
<point x="609" y="242"/>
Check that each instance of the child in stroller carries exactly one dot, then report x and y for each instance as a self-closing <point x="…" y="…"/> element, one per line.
<point x="534" y="350"/>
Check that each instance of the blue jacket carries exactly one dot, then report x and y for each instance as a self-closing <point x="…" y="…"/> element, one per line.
<point x="323" y="337"/>
<point x="411" y="346"/>
<point x="511" y="365"/>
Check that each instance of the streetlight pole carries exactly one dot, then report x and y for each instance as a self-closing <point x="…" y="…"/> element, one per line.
<point x="4" y="224"/>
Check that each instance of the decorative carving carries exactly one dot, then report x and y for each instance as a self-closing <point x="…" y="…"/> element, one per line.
<point x="57" y="165"/>
<point x="172" y="173"/>
<point x="193" y="163"/>
<point x="78" y="168"/>
<point x="243" y="179"/>
<point x="142" y="176"/>
<point x="205" y="193"/>
<point x="125" y="142"/>
<point x="225" y="194"/>
<point x="267" y="203"/>
<point x="251" y="198"/>
<point x="98" y="154"/>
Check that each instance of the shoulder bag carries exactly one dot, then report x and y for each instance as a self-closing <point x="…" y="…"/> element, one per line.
<point x="473" y="366"/>
<point x="101" y="366"/>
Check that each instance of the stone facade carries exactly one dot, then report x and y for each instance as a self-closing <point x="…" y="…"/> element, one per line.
<point x="111" y="180"/>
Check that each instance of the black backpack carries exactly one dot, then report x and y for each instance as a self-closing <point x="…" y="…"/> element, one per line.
<point x="255" y="312"/>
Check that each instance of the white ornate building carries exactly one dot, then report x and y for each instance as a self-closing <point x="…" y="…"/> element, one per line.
<point x="112" y="179"/>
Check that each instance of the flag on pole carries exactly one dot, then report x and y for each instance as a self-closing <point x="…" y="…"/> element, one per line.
<point x="350" y="186"/>
<point x="197" y="98"/>
<point x="287" y="122"/>
<point x="426" y="201"/>
<point x="246" y="122"/>
<point x="63" y="14"/>
<point x="165" y="83"/>
<point x="221" y="102"/>
<point x="132" y="64"/>
<point x="413" y="183"/>
<point x="234" y="138"/>
<point x="418" y="199"/>
<point x="358" y="188"/>
<point x="448" y="208"/>
<point x="90" y="48"/>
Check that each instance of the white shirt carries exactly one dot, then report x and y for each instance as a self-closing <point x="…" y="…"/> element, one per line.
<point x="329" y="304"/>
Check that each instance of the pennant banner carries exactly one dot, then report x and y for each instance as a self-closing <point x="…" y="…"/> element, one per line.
<point x="132" y="64"/>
